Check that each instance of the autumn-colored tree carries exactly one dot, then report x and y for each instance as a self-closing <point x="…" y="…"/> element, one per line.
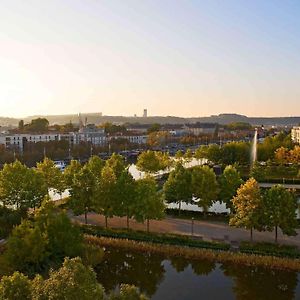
<point x="248" y="206"/>
<point x="282" y="155"/>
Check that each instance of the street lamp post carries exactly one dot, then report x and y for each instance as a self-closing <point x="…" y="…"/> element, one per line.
<point x="192" y="229"/>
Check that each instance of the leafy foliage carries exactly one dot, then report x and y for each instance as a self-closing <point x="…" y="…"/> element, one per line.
<point x="229" y="181"/>
<point x="280" y="210"/>
<point x="177" y="188"/>
<point x="204" y="186"/>
<point x="248" y="206"/>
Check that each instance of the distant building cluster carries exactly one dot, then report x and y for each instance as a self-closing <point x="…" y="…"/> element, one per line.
<point x="295" y="134"/>
<point x="135" y="133"/>
<point x="90" y="133"/>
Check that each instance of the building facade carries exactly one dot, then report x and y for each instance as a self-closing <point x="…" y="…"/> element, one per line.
<point x="295" y="134"/>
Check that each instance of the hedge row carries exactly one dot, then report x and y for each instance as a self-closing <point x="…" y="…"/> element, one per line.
<point x="197" y="215"/>
<point x="270" y="249"/>
<point x="262" y="249"/>
<point x="141" y="236"/>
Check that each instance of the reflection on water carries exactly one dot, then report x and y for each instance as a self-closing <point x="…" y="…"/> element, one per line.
<point x="176" y="278"/>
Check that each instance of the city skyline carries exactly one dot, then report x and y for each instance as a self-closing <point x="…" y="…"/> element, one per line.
<point x="188" y="59"/>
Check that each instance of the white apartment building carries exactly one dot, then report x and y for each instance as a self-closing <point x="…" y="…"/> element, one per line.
<point x="134" y="139"/>
<point x="295" y="134"/>
<point x="18" y="141"/>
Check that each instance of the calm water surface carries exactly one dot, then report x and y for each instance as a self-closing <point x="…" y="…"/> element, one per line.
<point x="165" y="278"/>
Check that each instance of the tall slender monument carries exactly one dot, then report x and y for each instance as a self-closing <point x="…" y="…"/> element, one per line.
<point x="145" y="114"/>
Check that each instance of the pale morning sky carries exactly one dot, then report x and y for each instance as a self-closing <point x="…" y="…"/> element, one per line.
<point x="174" y="57"/>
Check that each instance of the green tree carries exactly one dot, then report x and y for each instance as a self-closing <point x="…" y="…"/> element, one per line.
<point x="15" y="287"/>
<point x="201" y="152"/>
<point x="154" y="128"/>
<point x="230" y="181"/>
<point x="213" y="153"/>
<point x="149" y="203"/>
<point x="125" y="196"/>
<point x="106" y="198"/>
<point x="204" y="186"/>
<point x="72" y="281"/>
<point x="9" y="218"/>
<point x="51" y="174"/>
<point x="116" y="163"/>
<point x="179" y="155"/>
<point x="26" y="247"/>
<point x="177" y="188"/>
<point x="188" y="156"/>
<point x="83" y="192"/>
<point x="39" y="125"/>
<point x="64" y="238"/>
<point x="35" y="189"/>
<point x="128" y="292"/>
<point x="71" y="170"/>
<point x="235" y="152"/>
<point x="95" y="165"/>
<point x="21" y="125"/>
<point x="280" y="210"/>
<point x="20" y="187"/>
<point x="258" y="172"/>
<point x="152" y="161"/>
<point x="248" y="207"/>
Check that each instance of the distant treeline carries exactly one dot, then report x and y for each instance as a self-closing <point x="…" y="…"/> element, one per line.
<point x="97" y="118"/>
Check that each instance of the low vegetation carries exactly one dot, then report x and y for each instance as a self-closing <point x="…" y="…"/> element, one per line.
<point x="165" y="239"/>
<point x="271" y="262"/>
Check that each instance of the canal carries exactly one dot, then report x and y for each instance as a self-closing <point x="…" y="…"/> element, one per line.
<point x="174" y="278"/>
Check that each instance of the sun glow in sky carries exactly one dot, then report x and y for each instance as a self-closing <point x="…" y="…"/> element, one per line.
<point x="185" y="58"/>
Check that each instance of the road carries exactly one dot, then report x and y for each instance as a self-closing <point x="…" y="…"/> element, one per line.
<point x="207" y="230"/>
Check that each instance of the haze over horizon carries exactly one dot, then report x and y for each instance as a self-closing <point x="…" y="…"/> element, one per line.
<point x="183" y="58"/>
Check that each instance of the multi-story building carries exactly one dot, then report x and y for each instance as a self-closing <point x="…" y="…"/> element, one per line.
<point x="18" y="141"/>
<point x="132" y="138"/>
<point x="89" y="133"/>
<point x="295" y="134"/>
<point x="200" y="128"/>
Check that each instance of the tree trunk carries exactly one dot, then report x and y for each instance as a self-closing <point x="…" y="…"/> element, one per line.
<point x="179" y="208"/>
<point x="276" y="234"/>
<point x="106" y="222"/>
<point x="148" y="225"/>
<point x="251" y="234"/>
<point x="85" y="217"/>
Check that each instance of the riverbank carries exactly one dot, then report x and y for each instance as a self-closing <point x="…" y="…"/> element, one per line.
<point x="270" y="262"/>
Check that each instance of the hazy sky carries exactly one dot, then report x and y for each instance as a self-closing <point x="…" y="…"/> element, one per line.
<point x="177" y="57"/>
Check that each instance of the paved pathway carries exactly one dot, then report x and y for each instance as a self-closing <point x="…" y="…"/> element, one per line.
<point x="207" y="230"/>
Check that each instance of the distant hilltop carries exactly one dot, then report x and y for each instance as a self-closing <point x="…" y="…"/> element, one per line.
<point x="97" y="118"/>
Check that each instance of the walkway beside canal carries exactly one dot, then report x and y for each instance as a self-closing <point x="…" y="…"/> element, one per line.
<point x="207" y="230"/>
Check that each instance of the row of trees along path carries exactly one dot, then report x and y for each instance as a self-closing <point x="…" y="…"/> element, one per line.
<point x="109" y="189"/>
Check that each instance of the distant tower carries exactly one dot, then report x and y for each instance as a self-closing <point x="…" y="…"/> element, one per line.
<point x="145" y="114"/>
<point x="80" y="121"/>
